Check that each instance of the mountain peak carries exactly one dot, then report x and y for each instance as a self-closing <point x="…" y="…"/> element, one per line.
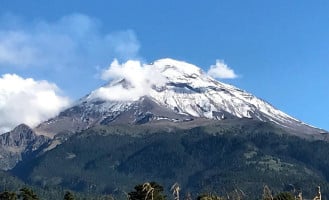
<point x="180" y="90"/>
<point x="168" y="64"/>
<point x="22" y="127"/>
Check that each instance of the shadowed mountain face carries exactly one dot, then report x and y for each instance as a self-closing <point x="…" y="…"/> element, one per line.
<point x="98" y="112"/>
<point x="17" y="144"/>
<point x="219" y="157"/>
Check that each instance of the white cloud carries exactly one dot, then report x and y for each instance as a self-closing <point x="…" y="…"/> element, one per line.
<point x="27" y="101"/>
<point x="139" y="78"/>
<point x="221" y="70"/>
<point x="75" y="40"/>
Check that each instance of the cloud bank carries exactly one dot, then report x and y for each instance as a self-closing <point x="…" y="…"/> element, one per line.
<point x="221" y="71"/>
<point x="27" y="101"/>
<point x="138" y="81"/>
<point x="75" y="40"/>
<point x="68" y="50"/>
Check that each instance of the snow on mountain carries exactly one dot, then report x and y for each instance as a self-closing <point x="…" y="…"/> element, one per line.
<point x="166" y="90"/>
<point x="190" y="91"/>
<point x="193" y="92"/>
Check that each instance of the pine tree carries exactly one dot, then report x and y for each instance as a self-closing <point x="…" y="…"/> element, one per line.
<point x="284" y="196"/>
<point x="7" y="195"/>
<point x="209" y="197"/>
<point x="147" y="191"/>
<point x="68" y="196"/>
<point x="27" y="194"/>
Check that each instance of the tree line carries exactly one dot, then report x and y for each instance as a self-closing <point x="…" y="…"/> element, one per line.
<point x="154" y="191"/>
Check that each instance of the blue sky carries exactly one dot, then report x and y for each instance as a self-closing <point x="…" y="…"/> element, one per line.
<point x="279" y="49"/>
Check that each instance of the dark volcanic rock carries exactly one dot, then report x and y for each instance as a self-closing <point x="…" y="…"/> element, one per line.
<point x="18" y="144"/>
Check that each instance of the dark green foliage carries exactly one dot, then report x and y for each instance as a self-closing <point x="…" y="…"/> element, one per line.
<point x="27" y="194"/>
<point x="141" y="193"/>
<point x="218" y="158"/>
<point x="8" y="182"/>
<point x="68" y="196"/>
<point x="8" y="195"/>
<point x="209" y="197"/>
<point x="284" y="196"/>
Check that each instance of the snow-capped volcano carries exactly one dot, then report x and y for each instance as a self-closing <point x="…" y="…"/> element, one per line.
<point x="169" y="90"/>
